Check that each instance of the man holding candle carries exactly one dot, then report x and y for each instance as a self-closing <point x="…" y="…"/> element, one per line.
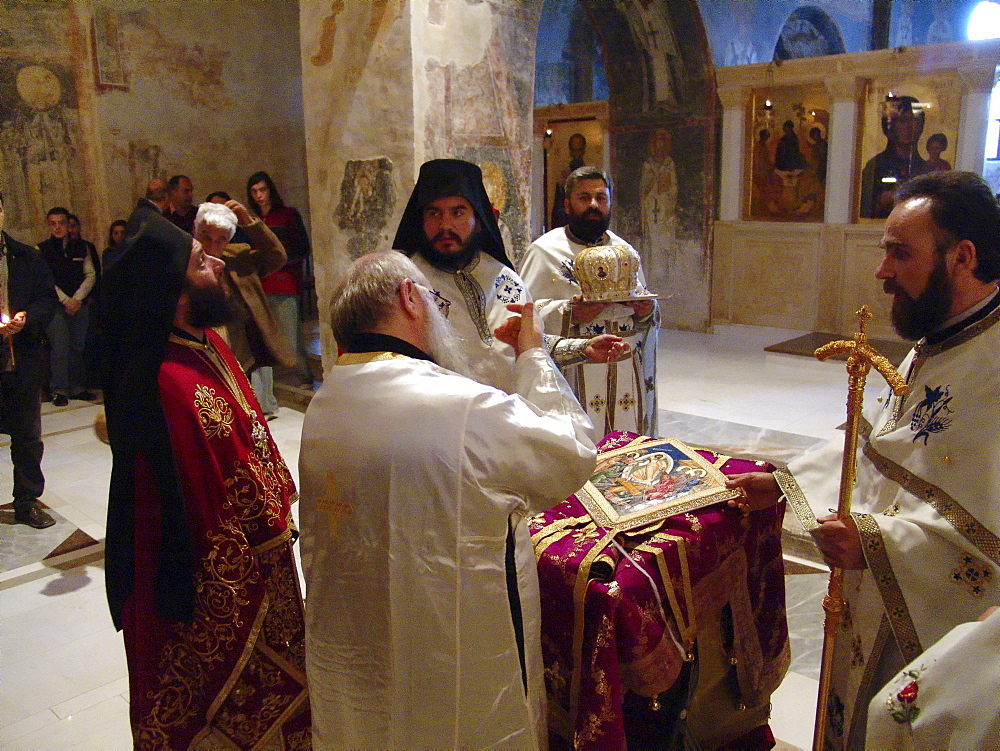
<point x="27" y="302"/>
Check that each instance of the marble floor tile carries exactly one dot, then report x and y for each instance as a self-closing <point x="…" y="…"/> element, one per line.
<point x="719" y="390"/>
<point x="804" y="609"/>
<point x="103" y="726"/>
<point x="793" y="710"/>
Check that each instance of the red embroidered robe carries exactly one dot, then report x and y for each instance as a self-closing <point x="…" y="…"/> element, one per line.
<point x="234" y="675"/>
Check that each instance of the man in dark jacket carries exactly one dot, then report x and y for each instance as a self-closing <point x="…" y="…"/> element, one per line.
<point x="27" y="303"/>
<point x="74" y="275"/>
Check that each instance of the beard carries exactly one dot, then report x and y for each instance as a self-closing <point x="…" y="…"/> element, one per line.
<point x="445" y="344"/>
<point x="589" y="226"/>
<point x="916" y="318"/>
<point x="210" y="307"/>
<point x="451" y="262"/>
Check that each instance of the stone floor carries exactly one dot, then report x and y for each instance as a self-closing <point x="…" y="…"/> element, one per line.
<point x="62" y="666"/>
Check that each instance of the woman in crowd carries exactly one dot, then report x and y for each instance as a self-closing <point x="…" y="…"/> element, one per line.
<point x="116" y="236"/>
<point x="283" y="287"/>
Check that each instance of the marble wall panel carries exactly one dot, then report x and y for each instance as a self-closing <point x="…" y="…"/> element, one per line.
<point x="862" y="256"/>
<point x="768" y="277"/>
<point x="805" y="277"/>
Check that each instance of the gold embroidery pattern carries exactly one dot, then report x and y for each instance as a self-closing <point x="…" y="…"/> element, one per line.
<point x="973" y="574"/>
<point x="626" y="402"/>
<point x="301" y="739"/>
<point x="896" y="403"/>
<point x="964" y="522"/>
<point x="857" y="655"/>
<point x="597" y="403"/>
<point x="796" y="498"/>
<point x="220" y="598"/>
<point x="254" y="492"/>
<point x="555" y="679"/>
<point x="868" y="676"/>
<point x="694" y="521"/>
<point x="892" y="510"/>
<point x="245" y="725"/>
<point x="284" y="626"/>
<point x="475" y="300"/>
<point x="885" y="579"/>
<point x="214" y="412"/>
<point x="848" y="620"/>
<point x="970" y="332"/>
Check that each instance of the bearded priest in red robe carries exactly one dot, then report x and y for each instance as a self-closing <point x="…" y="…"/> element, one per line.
<point x="200" y="573"/>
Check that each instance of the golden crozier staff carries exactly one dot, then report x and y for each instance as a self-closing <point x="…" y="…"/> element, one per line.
<point x="861" y="358"/>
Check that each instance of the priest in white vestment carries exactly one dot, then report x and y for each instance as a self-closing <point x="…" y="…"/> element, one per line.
<point x="450" y="231"/>
<point x="621" y="394"/>
<point x="921" y="550"/>
<point x="422" y="605"/>
<point x="949" y="697"/>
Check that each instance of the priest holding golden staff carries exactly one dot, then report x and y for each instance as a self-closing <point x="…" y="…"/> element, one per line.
<point x="921" y="549"/>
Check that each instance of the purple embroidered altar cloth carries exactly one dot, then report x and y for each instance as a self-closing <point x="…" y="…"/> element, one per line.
<point x="614" y="647"/>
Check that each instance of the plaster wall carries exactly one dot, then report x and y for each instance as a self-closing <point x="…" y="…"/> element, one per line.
<point x="357" y="86"/>
<point x="208" y="89"/>
<point x="389" y="85"/>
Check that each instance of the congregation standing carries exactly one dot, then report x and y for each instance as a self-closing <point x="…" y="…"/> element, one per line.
<point x="444" y="423"/>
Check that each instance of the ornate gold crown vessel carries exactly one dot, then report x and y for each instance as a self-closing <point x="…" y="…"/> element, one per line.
<point x="609" y="273"/>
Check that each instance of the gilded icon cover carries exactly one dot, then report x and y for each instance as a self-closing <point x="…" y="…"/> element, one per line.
<point x="650" y="481"/>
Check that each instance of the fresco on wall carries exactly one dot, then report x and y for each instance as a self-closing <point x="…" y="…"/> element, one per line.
<point x="788" y="153"/>
<point x="808" y="32"/>
<point x="910" y="126"/>
<point x="656" y="39"/>
<point x="573" y="144"/>
<point x="667" y="225"/>
<point x="187" y="72"/>
<point x="39" y="143"/>
<point x="929" y="21"/>
<point x="750" y="31"/>
<point x="498" y="179"/>
<point x="569" y="63"/>
<point x="658" y="192"/>
<point x="367" y="200"/>
<point x="107" y="48"/>
<point x="471" y="113"/>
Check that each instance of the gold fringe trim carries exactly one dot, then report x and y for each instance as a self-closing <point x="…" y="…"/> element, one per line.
<point x="893" y="601"/>
<point x="964" y="523"/>
<point x="796" y="498"/>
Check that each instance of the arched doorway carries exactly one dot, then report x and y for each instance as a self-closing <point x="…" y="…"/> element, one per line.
<point x="658" y="139"/>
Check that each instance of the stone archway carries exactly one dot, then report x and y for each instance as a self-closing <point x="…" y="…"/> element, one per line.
<point x="394" y="84"/>
<point x="662" y="121"/>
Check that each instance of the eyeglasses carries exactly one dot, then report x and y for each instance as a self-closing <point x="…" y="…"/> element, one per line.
<point x="442" y="302"/>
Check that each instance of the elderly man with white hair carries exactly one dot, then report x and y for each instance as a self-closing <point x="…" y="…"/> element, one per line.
<point x="255" y="336"/>
<point x="423" y="621"/>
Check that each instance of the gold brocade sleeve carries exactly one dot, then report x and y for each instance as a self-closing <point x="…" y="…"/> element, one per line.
<point x="796" y="498"/>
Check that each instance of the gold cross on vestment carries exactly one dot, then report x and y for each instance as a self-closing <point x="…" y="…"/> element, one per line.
<point x="333" y="508"/>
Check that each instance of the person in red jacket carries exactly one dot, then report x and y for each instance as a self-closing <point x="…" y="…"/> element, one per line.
<point x="284" y="286"/>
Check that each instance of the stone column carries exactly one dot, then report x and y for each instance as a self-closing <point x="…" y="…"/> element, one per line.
<point x="844" y="91"/>
<point x="977" y="86"/>
<point x="389" y="85"/>
<point x="731" y="164"/>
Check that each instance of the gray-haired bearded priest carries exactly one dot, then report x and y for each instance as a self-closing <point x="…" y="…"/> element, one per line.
<point x="423" y="617"/>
